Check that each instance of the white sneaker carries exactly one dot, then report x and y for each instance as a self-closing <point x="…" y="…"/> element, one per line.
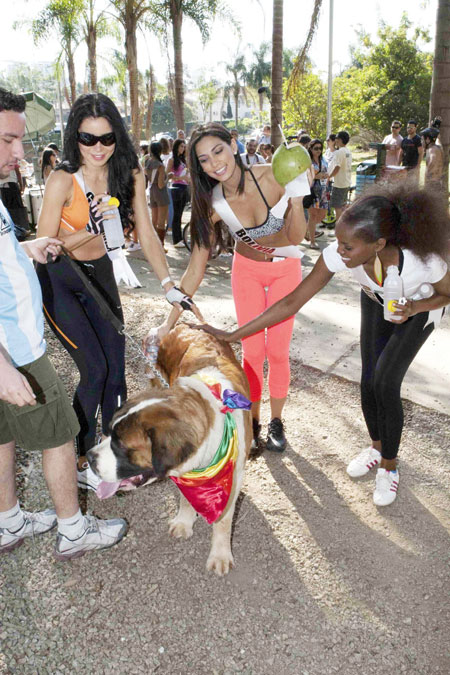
<point x="87" y="479"/>
<point x="98" y="534"/>
<point x="362" y="463"/>
<point x="179" y="244"/>
<point x="134" y="246"/>
<point x="35" y="523"/>
<point x="386" y="486"/>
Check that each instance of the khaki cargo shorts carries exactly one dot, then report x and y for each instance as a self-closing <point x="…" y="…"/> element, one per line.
<point x="48" y="424"/>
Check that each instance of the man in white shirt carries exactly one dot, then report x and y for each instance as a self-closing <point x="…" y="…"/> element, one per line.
<point x="252" y="157"/>
<point x="340" y="169"/>
<point x="264" y="138"/>
<point x="393" y="143"/>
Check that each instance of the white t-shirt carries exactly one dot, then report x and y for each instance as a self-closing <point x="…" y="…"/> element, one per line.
<point x="414" y="272"/>
<point x="342" y="158"/>
<point x="394" y="144"/>
<point x="21" y="317"/>
<point x="250" y="160"/>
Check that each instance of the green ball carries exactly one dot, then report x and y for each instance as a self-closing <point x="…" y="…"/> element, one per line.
<point x="289" y="162"/>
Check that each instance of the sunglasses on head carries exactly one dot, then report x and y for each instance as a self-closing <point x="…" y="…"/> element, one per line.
<point x="89" y="139"/>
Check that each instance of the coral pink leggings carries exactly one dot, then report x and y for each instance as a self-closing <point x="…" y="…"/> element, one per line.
<point x="256" y="286"/>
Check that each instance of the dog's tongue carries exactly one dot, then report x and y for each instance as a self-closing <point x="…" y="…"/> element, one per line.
<point x="105" y="490"/>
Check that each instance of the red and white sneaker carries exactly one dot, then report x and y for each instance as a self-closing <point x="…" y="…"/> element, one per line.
<point x="386" y="486"/>
<point x="367" y="459"/>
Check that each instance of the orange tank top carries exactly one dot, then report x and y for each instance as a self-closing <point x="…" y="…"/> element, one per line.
<point x="76" y="216"/>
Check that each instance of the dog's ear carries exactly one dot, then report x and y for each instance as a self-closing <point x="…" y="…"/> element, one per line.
<point x="171" y="446"/>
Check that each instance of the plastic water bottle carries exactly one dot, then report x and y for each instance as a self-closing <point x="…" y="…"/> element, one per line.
<point x="392" y="292"/>
<point x="113" y="226"/>
<point x="424" y="291"/>
<point x="152" y="346"/>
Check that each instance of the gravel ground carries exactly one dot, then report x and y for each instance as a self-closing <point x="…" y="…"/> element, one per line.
<point x="325" y="582"/>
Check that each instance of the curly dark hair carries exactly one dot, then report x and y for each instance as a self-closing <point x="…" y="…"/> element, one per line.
<point x="202" y="185"/>
<point x="10" y="101"/>
<point x="407" y="217"/>
<point x="122" y="162"/>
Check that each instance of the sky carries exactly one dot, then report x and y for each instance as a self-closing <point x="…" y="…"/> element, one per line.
<point x="255" y="17"/>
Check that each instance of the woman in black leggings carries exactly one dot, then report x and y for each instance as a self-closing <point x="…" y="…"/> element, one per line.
<point x="388" y="226"/>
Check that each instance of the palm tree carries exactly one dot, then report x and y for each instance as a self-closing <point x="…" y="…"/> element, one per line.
<point x="172" y="12"/>
<point x="259" y="72"/>
<point x="133" y="14"/>
<point x="150" y="89"/>
<point x="300" y="62"/>
<point x="239" y="72"/>
<point x="94" y="26"/>
<point x="277" y="71"/>
<point x="62" y="15"/>
<point x="118" y="79"/>
<point x="439" y="100"/>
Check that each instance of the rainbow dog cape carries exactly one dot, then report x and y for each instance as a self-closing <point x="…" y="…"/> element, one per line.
<point x="209" y="489"/>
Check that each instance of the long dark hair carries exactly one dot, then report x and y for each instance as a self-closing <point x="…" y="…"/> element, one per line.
<point x="406" y="217"/>
<point x="314" y="142"/>
<point x="122" y="162"/>
<point x="177" y="159"/>
<point x="202" y="185"/>
<point x="155" y="150"/>
<point x="47" y="154"/>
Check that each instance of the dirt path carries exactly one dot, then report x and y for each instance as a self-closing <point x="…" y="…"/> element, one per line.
<point x="324" y="581"/>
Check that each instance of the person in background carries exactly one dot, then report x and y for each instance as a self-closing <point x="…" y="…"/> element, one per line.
<point x="304" y="140"/>
<point x="265" y="137"/>
<point x="319" y="194"/>
<point x="159" y="194"/>
<point x="412" y="151"/>
<point x="48" y="163"/>
<point x="393" y="143"/>
<point x="340" y="169"/>
<point x="166" y="154"/>
<point x="434" y="159"/>
<point x="251" y="157"/>
<point x="181" y="136"/>
<point x="143" y="154"/>
<point x="331" y="148"/>
<point x="267" y="151"/>
<point x="240" y="145"/>
<point x="31" y="394"/>
<point x="390" y="226"/>
<point x="179" y="175"/>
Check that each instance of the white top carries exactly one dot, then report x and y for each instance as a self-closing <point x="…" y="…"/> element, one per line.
<point x="414" y="273"/>
<point x="250" y="160"/>
<point x="342" y="158"/>
<point x="21" y="317"/>
<point x="264" y="138"/>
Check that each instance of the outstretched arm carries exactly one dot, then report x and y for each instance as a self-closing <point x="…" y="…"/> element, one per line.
<point x="284" y="308"/>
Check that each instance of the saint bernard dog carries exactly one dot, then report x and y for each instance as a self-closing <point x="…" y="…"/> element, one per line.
<point x="198" y="432"/>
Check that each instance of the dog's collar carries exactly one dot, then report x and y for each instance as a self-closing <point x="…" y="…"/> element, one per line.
<point x="208" y="489"/>
<point x="231" y="400"/>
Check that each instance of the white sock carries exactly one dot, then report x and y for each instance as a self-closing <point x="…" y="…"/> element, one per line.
<point x="13" y="519"/>
<point x="72" y="527"/>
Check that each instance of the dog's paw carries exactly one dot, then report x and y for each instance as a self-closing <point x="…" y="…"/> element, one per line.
<point x="220" y="564"/>
<point x="180" y="529"/>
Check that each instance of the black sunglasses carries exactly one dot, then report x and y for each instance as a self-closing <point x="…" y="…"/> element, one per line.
<point x="89" y="139"/>
<point x="395" y="126"/>
<point x="317" y="147"/>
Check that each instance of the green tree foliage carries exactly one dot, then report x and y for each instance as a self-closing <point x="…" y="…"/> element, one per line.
<point x="208" y="91"/>
<point x="307" y="106"/>
<point x="22" y="77"/>
<point x="389" y="79"/>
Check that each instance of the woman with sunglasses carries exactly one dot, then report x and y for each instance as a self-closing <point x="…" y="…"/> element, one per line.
<point x="268" y="225"/>
<point x="99" y="159"/>
<point x="319" y="194"/>
<point x="178" y="173"/>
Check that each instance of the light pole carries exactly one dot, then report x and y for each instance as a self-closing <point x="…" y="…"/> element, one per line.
<point x="330" y="69"/>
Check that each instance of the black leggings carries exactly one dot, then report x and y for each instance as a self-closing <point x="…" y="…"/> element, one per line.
<point x="179" y="199"/>
<point x="93" y="343"/>
<point x="387" y="350"/>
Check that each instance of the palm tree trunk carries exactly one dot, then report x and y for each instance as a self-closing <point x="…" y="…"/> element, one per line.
<point x="177" y="20"/>
<point x="92" y="58"/>
<point x="440" y="85"/>
<point x="236" y="105"/>
<point x="277" y="71"/>
<point x="72" y="78"/>
<point x="150" y="103"/>
<point x="131" y="54"/>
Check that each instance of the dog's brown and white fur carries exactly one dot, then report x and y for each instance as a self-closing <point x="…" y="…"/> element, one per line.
<point x="170" y="431"/>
